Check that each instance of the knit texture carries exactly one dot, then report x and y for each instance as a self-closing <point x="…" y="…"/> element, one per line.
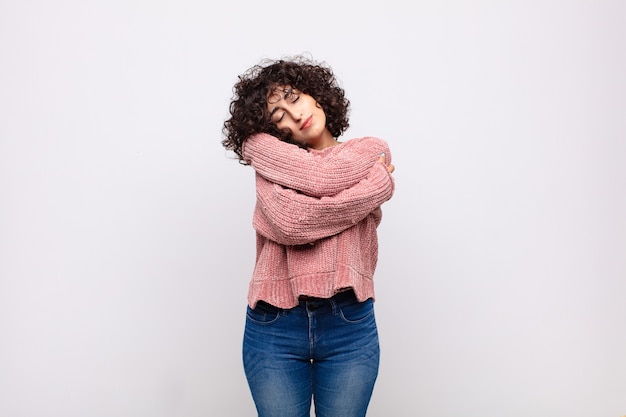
<point x="315" y="229"/>
<point x="312" y="172"/>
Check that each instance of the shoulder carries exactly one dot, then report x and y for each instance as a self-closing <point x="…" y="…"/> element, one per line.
<point x="367" y="144"/>
<point x="366" y="141"/>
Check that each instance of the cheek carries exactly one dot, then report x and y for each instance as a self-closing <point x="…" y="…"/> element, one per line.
<point x="291" y="120"/>
<point x="284" y="128"/>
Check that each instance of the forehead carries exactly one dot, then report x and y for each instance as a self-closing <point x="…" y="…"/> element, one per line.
<point x="278" y="92"/>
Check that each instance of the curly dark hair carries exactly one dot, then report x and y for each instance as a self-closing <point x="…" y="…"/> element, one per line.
<point x="248" y="107"/>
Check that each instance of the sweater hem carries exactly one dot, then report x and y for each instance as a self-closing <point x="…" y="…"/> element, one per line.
<point x="284" y="293"/>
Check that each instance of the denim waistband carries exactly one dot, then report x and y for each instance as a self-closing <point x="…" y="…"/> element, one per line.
<point x="345" y="295"/>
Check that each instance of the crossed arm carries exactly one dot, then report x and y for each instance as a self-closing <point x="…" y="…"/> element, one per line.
<point x="302" y="197"/>
<point x="293" y="167"/>
<point x="291" y="218"/>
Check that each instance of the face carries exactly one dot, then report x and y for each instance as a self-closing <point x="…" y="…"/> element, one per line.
<point x="299" y="113"/>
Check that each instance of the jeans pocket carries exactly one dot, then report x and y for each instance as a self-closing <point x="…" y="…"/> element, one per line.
<point x="357" y="312"/>
<point x="263" y="313"/>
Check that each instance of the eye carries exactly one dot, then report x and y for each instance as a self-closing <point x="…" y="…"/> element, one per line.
<point x="291" y="95"/>
<point x="278" y="116"/>
<point x="287" y="95"/>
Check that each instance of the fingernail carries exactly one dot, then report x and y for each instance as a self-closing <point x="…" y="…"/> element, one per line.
<point x="382" y="154"/>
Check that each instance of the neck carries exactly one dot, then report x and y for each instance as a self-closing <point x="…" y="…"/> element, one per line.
<point x="326" y="141"/>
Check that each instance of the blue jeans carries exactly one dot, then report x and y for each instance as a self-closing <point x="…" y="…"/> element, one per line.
<point x="323" y="349"/>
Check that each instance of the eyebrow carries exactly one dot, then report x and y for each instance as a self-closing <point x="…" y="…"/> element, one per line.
<point x="275" y="109"/>
<point x="281" y="90"/>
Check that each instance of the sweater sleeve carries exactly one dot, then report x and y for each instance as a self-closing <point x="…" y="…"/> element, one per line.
<point x="291" y="218"/>
<point x="293" y="167"/>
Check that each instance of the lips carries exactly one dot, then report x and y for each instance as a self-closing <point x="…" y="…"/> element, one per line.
<point x="306" y="123"/>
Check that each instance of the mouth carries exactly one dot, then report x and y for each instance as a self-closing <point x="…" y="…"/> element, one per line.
<point x="306" y="123"/>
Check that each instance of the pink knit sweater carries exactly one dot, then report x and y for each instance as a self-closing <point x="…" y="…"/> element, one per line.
<point x="316" y="217"/>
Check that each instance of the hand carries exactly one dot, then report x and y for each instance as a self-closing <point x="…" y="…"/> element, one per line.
<point x="391" y="167"/>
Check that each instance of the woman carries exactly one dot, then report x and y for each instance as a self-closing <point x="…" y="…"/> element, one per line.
<point x="310" y="330"/>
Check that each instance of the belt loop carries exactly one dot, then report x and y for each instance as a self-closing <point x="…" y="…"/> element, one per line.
<point x="334" y="305"/>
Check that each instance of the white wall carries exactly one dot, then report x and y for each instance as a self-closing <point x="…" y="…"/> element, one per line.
<point x="125" y="232"/>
